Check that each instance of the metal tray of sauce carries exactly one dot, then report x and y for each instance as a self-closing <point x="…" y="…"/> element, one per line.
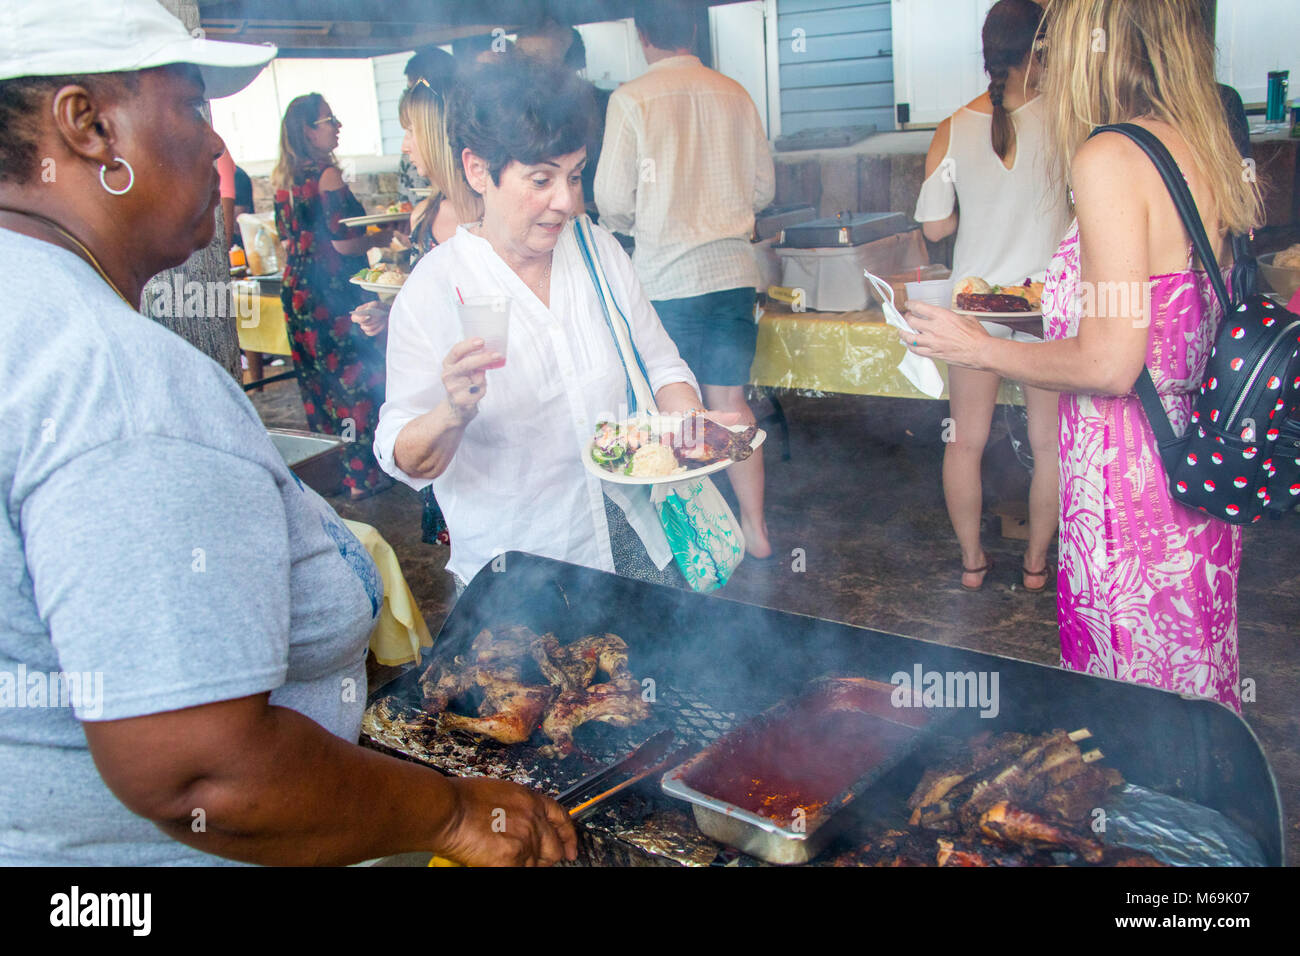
<point x="774" y="787"/>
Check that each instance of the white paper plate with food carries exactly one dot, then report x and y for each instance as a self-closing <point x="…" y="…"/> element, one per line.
<point x="980" y="300"/>
<point x="385" y="278"/>
<point x="661" y="449"/>
<point x="378" y="219"/>
<point x="380" y="288"/>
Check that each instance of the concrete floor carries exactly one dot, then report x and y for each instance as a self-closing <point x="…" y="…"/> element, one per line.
<point x="861" y="496"/>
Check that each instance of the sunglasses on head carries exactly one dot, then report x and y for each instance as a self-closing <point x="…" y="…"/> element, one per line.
<point x="425" y="83"/>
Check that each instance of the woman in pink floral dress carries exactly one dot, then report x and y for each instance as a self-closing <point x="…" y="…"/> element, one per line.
<point x="1146" y="589"/>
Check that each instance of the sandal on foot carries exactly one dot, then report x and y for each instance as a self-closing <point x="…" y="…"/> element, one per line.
<point x="988" y="566"/>
<point x="1044" y="574"/>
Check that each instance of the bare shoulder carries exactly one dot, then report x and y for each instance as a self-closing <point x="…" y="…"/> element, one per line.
<point x="938" y="146"/>
<point x="331" y="179"/>
<point x="1112" y="162"/>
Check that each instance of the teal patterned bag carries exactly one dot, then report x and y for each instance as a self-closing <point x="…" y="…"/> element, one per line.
<point x="704" y="535"/>
<point x="702" y="531"/>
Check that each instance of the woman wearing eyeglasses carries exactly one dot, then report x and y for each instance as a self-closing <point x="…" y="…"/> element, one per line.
<point x="340" y="367"/>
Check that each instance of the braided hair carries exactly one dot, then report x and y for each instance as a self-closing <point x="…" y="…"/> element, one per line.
<point x="1009" y="33"/>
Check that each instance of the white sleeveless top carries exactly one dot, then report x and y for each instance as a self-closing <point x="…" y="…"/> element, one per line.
<point x="1011" y="220"/>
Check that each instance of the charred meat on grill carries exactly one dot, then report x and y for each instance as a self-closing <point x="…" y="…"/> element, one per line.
<point x="515" y="709"/>
<point x="574" y="667"/>
<point x="512" y="708"/>
<point x="1029" y="794"/>
<point x="1012" y="825"/>
<point x="618" y="703"/>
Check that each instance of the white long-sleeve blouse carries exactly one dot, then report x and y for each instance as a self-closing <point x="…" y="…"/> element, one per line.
<point x="517" y="481"/>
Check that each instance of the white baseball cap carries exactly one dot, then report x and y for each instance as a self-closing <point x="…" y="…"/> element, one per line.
<point x="75" y="37"/>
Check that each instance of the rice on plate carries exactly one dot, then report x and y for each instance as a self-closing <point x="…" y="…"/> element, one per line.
<point x="654" y="461"/>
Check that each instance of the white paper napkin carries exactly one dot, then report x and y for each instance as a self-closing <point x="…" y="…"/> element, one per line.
<point x="920" y="371"/>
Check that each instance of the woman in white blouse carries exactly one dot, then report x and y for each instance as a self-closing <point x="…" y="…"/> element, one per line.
<point x="989" y="160"/>
<point x="502" y="449"/>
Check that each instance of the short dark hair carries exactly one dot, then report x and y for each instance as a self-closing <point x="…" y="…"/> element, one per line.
<point x="20" y="106"/>
<point x="667" y="24"/>
<point x="436" y="66"/>
<point x="521" y="109"/>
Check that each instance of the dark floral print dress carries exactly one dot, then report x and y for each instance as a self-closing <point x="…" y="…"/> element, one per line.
<point x="340" y="368"/>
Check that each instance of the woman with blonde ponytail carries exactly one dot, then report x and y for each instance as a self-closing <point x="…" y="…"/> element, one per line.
<point x="1147" y="588"/>
<point x="989" y="165"/>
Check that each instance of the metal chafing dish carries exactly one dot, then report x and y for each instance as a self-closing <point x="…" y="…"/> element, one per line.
<point x="712" y="664"/>
<point x="797" y="743"/>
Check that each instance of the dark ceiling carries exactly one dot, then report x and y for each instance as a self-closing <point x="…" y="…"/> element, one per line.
<point x="362" y="28"/>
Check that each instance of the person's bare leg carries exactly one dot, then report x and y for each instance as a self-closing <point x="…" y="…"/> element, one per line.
<point x="971" y="397"/>
<point x="746" y="476"/>
<point x="254" y="367"/>
<point x="1044" y="487"/>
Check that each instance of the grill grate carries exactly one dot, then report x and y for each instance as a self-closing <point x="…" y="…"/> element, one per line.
<point x="633" y="827"/>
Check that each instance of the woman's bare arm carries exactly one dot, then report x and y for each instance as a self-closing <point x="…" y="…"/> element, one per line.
<point x="426" y="445"/>
<point x="331" y="180"/>
<point x="940" y="228"/>
<point x="255" y="782"/>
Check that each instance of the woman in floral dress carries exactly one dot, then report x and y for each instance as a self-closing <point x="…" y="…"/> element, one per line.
<point x="1147" y="588"/>
<point x="340" y="368"/>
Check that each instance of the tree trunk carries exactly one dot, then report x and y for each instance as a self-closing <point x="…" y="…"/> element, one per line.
<point x="194" y="300"/>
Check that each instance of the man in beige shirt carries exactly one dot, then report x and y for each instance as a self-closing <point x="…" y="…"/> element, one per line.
<point x="684" y="166"/>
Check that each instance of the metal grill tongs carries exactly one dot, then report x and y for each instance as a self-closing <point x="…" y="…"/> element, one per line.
<point x="595" y="788"/>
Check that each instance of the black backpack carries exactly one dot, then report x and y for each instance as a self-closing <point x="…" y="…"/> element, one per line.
<point x="1239" y="457"/>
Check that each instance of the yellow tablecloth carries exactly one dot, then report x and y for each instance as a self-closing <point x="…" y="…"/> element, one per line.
<point x="401" y="631"/>
<point x="262" y="327"/>
<point x="854" y="353"/>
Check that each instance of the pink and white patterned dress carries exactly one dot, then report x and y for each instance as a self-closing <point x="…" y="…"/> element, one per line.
<point x="1147" y="588"/>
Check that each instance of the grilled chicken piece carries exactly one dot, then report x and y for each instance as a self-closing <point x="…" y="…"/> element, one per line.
<point x="559" y="667"/>
<point x="515" y="709"/>
<point x="505" y="650"/>
<point x="608" y="652"/>
<point x="1010" y="824"/>
<point x="441" y="685"/>
<point x="700" y="440"/>
<point x="573" y="667"/>
<point x="502" y="653"/>
<point x="618" y="703"/>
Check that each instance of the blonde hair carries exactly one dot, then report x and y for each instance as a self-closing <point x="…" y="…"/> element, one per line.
<point x="421" y="110"/>
<point x="1112" y="61"/>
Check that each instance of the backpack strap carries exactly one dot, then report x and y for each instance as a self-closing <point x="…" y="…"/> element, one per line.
<point x="1182" y="197"/>
<point x="1169" y="444"/>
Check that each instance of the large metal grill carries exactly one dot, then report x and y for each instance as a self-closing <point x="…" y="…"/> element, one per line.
<point x="716" y="663"/>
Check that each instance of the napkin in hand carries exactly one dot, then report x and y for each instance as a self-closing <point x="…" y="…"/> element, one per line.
<point x="920" y="371"/>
